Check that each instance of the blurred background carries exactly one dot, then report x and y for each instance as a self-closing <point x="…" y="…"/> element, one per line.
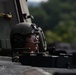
<point x="57" y="19"/>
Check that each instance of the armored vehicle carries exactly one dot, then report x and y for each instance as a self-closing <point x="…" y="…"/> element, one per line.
<point x="16" y="29"/>
<point x="11" y="13"/>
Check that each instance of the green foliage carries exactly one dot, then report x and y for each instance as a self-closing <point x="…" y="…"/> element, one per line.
<point x="52" y="37"/>
<point x="40" y="17"/>
<point x="67" y="30"/>
<point x="58" y="19"/>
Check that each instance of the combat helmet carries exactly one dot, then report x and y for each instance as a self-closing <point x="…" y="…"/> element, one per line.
<point x="19" y="32"/>
<point x="24" y="28"/>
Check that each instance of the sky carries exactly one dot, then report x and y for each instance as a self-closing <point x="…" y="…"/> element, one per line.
<point x="37" y="1"/>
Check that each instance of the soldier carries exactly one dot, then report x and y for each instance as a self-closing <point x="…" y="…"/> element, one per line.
<point x="27" y="37"/>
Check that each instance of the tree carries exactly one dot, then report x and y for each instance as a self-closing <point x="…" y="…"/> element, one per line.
<point x="40" y="17"/>
<point x="57" y="17"/>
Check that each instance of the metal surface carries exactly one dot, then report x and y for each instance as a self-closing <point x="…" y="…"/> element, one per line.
<point x="9" y="68"/>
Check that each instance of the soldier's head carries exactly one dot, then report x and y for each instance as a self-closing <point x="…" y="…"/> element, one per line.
<point x="25" y="35"/>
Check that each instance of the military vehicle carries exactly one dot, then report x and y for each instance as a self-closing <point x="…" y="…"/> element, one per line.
<point x="11" y="13"/>
<point x="15" y="22"/>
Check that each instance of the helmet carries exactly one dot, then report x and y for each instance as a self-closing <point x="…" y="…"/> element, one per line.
<point x="24" y="29"/>
<point x="18" y="33"/>
<point x="21" y="30"/>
